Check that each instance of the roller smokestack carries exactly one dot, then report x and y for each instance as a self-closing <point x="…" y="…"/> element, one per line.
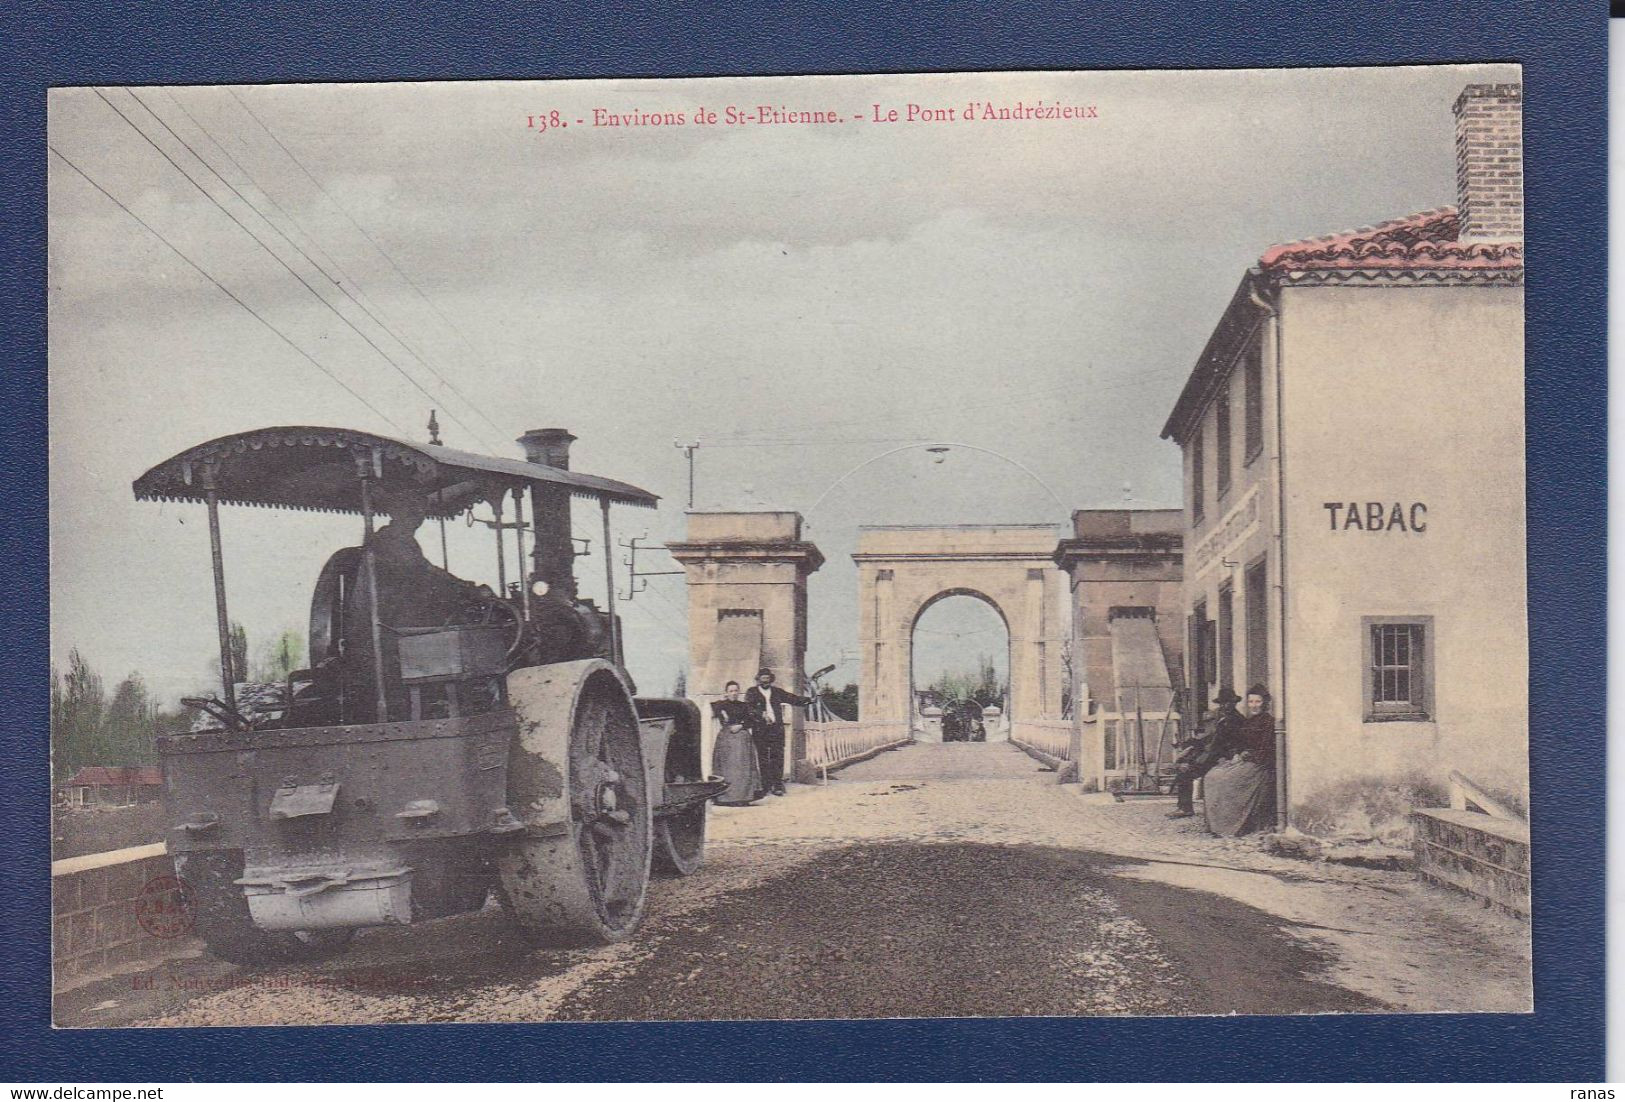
<point x="553" y="555"/>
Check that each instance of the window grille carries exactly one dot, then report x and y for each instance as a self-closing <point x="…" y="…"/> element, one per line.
<point x="1397" y="674"/>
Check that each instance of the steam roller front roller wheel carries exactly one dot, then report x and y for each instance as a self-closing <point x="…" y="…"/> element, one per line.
<point x="577" y="874"/>
<point x="223" y="922"/>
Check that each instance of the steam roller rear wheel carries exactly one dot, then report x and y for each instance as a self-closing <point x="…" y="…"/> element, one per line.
<point x="579" y="871"/>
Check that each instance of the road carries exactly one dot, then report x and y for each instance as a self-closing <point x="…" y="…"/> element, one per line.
<point x="933" y="881"/>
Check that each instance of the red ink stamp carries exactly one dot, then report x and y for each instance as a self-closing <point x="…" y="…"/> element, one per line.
<point x="166" y="907"/>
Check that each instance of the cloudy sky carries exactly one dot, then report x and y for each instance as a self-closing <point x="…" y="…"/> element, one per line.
<point x="799" y="299"/>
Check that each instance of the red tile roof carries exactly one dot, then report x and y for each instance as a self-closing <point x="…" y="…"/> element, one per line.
<point x="96" y="775"/>
<point x="1426" y="240"/>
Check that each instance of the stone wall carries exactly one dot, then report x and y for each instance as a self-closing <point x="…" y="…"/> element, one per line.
<point x="96" y="907"/>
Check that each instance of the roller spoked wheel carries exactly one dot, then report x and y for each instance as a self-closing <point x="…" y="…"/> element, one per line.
<point x="579" y="873"/>
<point x="680" y="840"/>
<point x="224" y="925"/>
<point x="679" y="846"/>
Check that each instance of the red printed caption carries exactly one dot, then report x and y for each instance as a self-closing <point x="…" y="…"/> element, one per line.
<point x="972" y="111"/>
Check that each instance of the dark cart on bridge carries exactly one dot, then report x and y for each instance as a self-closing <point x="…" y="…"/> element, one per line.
<point x="447" y="741"/>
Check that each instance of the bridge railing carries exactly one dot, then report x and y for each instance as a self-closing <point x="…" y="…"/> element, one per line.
<point x="1051" y="738"/>
<point x="835" y="743"/>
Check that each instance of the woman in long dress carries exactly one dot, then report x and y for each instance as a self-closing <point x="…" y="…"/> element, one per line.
<point x="1238" y="795"/>
<point x="734" y="759"/>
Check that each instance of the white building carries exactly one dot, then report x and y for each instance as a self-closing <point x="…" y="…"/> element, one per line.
<point x="1354" y="489"/>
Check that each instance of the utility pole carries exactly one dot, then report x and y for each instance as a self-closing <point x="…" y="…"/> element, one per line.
<point x="445" y="555"/>
<point x="688" y="450"/>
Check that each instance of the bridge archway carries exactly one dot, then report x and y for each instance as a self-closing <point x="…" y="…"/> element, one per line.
<point x="937" y="647"/>
<point x="904" y="570"/>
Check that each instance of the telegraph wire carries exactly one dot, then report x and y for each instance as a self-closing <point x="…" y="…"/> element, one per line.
<point x="410" y="282"/>
<point x="754" y="440"/>
<point x="305" y="233"/>
<point x="272" y="252"/>
<point x="195" y="266"/>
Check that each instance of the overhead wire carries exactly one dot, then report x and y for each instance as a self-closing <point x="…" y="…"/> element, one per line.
<point x="289" y="341"/>
<point x="390" y="260"/>
<point x="348" y="280"/>
<point x="270" y="251"/>
<point x="1043" y="394"/>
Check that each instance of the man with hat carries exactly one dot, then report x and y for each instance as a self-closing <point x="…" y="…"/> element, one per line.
<point x="1214" y="740"/>
<point x="766" y="702"/>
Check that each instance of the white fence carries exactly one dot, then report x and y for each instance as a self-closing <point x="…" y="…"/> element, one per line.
<point x="837" y="742"/>
<point x="1048" y="736"/>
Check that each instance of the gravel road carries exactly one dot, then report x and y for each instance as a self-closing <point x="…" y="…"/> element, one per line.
<point x="936" y="881"/>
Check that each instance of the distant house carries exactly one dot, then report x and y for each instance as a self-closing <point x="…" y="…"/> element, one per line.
<point x="112" y="786"/>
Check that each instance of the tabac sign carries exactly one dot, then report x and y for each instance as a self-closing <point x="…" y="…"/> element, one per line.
<point x="1377" y="516"/>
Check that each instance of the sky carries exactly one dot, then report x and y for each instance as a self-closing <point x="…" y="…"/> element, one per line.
<point x="799" y="299"/>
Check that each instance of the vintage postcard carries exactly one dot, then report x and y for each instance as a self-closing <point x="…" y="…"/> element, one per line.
<point x="972" y="544"/>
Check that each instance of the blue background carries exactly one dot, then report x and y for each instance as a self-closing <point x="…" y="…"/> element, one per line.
<point x="1562" y="47"/>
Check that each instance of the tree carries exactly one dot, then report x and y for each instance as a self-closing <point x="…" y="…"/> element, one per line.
<point x="278" y="657"/>
<point x="129" y="725"/>
<point x="77" y="707"/>
<point x="238" y="636"/>
<point x="843" y="703"/>
<point x="981" y="685"/>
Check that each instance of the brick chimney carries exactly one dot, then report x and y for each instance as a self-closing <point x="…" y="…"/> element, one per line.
<point x="1489" y="162"/>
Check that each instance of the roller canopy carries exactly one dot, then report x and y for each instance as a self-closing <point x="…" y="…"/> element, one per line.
<point x="300" y="467"/>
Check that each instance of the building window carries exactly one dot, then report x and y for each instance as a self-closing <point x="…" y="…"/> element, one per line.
<point x="1198" y="475"/>
<point x="1258" y="639"/>
<point x="1253" y="370"/>
<point x="1227" y="638"/>
<point x="1222" y="428"/>
<point x="1111" y="744"/>
<point x="1398" y="668"/>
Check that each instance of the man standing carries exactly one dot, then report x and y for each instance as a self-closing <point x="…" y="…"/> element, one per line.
<point x="766" y="702"/>
<point x="1215" y="740"/>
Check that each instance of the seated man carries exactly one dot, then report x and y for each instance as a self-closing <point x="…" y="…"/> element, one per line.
<point x="1240" y="791"/>
<point x="412" y="593"/>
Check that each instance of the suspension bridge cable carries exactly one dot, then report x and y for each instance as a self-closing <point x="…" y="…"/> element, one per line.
<point x="409" y="281"/>
<point x="363" y="300"/>
<point x="273" y="253"/>
<point x="195" y="266"/>
<point x="1043" y="394"/>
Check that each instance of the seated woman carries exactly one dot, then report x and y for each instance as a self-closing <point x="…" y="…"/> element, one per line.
<point x="1239" y="793"/>
<point x="735" y="756"/>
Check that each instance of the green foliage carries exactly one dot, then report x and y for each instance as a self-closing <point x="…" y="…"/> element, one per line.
<point x="278" y="658"/>
<point x="981" y="685"/>
<point x="89" y="729"/>
<point x="843" y="702"/>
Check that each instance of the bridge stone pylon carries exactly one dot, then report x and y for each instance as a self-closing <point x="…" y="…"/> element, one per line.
<point x="747" y="606"/>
